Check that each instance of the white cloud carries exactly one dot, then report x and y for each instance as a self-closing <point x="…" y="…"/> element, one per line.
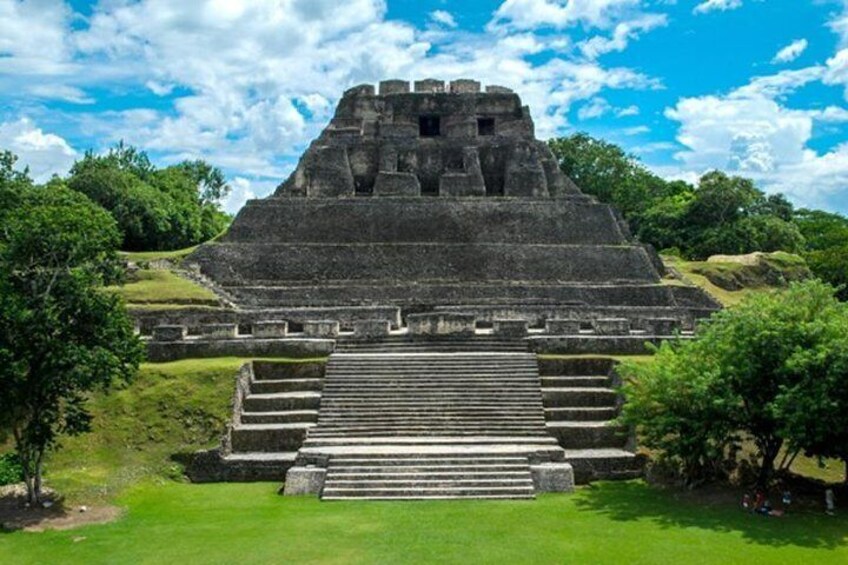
<point x="636" y="130"/>
<point x="720" y="5"/>
<point x="248" y="85"/>
<point x="531" y="14"/>
<point x="443" y="17"/>
<point x="791" y="51"/>
<point x="595" y="108"/>
<point x="631" y="110"/>
<point x="44" y="153"/>
<point x="750" y="132"/>
<point x="622" y="34"/>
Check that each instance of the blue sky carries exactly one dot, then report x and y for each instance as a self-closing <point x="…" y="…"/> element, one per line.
<point x="755" y="87"/>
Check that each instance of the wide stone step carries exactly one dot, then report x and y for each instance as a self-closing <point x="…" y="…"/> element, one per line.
<point x="601" y="464"/>
<point x="282" y="401"/>
<point x="419" y="471"/>
<point x="583" y="414"/>
<point x="585" y="435"/>
<point x="437" y="440"/>
<point x="268" y="437"/>
<point x="575" y="382"/>
<point x="279" y="417"/>
<point x="268" y="386"/>
<point x="579" y="397"/>
<point x="436" y="432"/>
<point x="449" y="481"/>
<point x="422" y="493"/>
<point x="258" y="466"/>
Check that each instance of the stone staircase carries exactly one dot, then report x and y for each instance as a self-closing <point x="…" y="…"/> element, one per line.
<point x="377" y="398"/>
<point x="422" y="476"/>
<point x="407" y="344"/>
<point x="430" y="424"/>
<point x="275" y="405"/>
<point x="580" y="407"/>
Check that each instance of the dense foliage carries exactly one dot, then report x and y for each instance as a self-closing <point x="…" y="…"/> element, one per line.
<point x="61" y="336"/>
<point x="773" y="371"/>
<point x="826" y="252"/>
<point x="722" y="214"/>
<point x="155" y="209"/>
<point x="11" y="471"/>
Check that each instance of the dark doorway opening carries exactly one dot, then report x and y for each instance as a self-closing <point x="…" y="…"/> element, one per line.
<point x="485" y="126"/>
<point x="429" y="126"/>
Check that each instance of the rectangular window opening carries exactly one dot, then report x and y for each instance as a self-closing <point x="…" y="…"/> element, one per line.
<point x="485" y="126"/>
<point x="428" y="126"/>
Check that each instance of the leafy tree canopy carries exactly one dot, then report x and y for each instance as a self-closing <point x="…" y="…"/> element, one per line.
<point x="773" y="370"/>
<point x="722" y="214"/>
<point x="61" y="336"/>
<point x="155" y="209"/>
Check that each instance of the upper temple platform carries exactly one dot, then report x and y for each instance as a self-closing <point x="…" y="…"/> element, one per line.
<point x="430" y="196"/>
<point x="435" y="138"/>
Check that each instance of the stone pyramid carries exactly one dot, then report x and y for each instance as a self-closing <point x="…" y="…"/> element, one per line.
<point x="438" y="198"/>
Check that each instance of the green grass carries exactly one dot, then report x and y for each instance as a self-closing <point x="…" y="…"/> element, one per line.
<point x="689" y="270"/>
<point x="175" y="255"/>
<point x="169" y="408"/>
<point x="617" y="523"/>
<point x="730" y="283"/>
<point x="155" y="288"/>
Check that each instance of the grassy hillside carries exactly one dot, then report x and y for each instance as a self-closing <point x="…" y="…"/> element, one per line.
<point x="170" y="408"/>
<point x="730" y="281"/>
<point x="161" y="288"/>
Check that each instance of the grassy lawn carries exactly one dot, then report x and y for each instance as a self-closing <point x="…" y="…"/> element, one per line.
<point x="169" y="408"/>
<point x="607" y="523"/>
<point x="154" y="288"/>
<point x="140" y="256"/>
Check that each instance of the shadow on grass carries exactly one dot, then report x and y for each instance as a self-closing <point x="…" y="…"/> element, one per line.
<point x="670" y="508"/>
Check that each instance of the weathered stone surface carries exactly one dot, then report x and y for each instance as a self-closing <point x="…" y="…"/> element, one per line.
<point x="662" y="326"/>
<point x="162" y="351"/>
<point x="510" y="328"/>
<point x="464" y="86"/>
<point x="440" y="324"/>
<point x="562" y="327"/>
<point x="304" y="480"/>
<point x="396" y="184"/>
<point x="269" y="329"/>
<point x="552" y="477"/>
<point x="429" y="85"/>
<point x="169" y="333"/>
<point x="321" y="328"/>
<point x="370" y="329"/>
<point x="611" y="326"/>
<point x="471" y="210"/>
<point x="218" y="331"/>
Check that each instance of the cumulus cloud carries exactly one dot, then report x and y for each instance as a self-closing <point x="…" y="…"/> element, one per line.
<point x="531" y="14"/>
<point x="622" y="34"/>
<point x="248" y="85"/>
<point x="443" y="17"/>
<point x="790" y="52"/>
<point x="751" y="132"/>
<point x="44" y="153"/>
<point x="717" y="5"/>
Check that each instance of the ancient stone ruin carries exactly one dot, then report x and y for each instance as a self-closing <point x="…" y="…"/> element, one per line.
<point x="430" y="244"/>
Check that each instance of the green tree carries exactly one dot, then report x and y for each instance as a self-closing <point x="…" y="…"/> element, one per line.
<point x="826" y="236"/>
<point x="155" y="209"/>
<point x="752" y="370"/>
<point x="61" y="335"/>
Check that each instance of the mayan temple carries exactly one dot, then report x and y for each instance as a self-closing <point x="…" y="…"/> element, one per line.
<point x="430" y="242"/>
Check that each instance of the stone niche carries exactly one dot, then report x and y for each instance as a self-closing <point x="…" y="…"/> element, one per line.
<point x="447" y="324"/>
<point x="270" y="329"/>
<point x="321" y="328"/>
